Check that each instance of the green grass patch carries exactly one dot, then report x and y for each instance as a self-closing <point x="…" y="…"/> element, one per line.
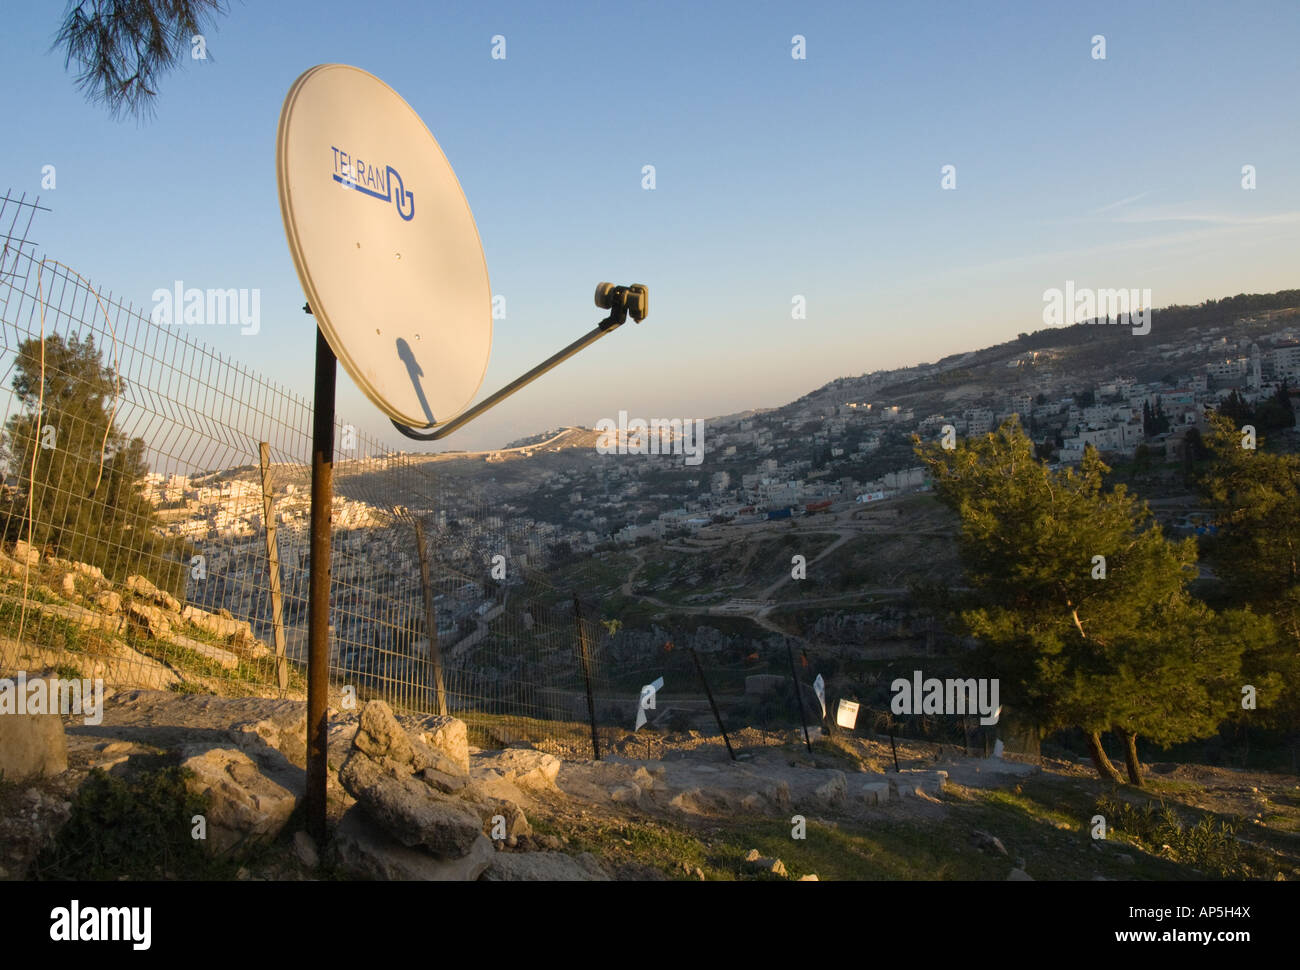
<point x="140" y="829"/>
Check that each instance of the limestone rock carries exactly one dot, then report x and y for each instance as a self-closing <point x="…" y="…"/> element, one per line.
<point x="8" y="567"/>
<point x="544" y="867"/>
<point x="89" y="571"/>
<point x="917" y="781"/>
<point x="528" y="769"/>
<point x="69" y="584"/>
<point x="834" y="789"/>
<point x="223" y="658"/>
<point x="304" y="847"/>
<point x="282" y="728"/>
<point x="876" y="792"/>
<point x="148" y="591"/>
<point x="26" y="555"/>
<point x="108" y="601"/>
<point x="31" y="745"/>
<point x="216" y="624"/>
<point x="152" y="620"/>
<point x="245" y="807"/>
<point x="446" y="735"/>
<point x="625" y="794"/>
<point x="408" y="809"/>
<point x="381" y="737"/>
<point x="765" y="864"/>
<point x="363" y="850"/>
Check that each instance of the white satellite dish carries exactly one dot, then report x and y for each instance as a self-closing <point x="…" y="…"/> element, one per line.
<point x="384" y="243"/>
<point x="389" y="257"/>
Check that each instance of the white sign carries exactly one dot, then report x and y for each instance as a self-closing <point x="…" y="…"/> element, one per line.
<point x="847" y="715"/>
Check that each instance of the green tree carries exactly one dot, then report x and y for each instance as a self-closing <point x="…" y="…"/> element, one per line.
<point x="1275" y="413"/>
<point x="1128" y="650"/>
<point x="83" y="484"/>
<point x="1256" y="556"/>
<point x="1235" y="407"/>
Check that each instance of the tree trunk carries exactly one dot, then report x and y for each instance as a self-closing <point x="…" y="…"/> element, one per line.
<point x="1131" y="756"/>
<point x="1099" y="760"/>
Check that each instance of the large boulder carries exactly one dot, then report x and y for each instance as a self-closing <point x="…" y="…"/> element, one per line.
<point x="381" y="737"/>
<point x="409" y="809"/>
<point x="362" y="850"/>
<point x="244" y="806"/>
<point x="445" y="734"/>
<point x="526" y="768"/>
<point x="31" y="745"/>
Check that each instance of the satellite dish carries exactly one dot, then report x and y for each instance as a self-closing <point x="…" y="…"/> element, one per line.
<point x="384" y="243"/>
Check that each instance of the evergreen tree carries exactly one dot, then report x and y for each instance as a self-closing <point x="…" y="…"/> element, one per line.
<point x="1130" y="651"/>
<point x="84" y="484"/>
<point x="1234" y="406"/>
<point x="122" y="47"/>
<point x="1256" y="557"/>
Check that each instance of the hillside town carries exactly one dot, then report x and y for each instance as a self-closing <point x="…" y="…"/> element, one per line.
<point x="556" y="496"/>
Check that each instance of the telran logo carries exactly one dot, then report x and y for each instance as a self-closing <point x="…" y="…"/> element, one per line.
<point x="658" y="436"/>
<point x="378" y="182"/>
<point x="71" y="924"/>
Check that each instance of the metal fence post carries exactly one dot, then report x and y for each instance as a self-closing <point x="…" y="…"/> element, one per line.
<point x="318" y="610"/>
<point x="586" y="674"/>
<point x="273" y="569"/>
<point x="798" y="693"/>
<point x="709" y="694"/>
<point x="430" y="619"/>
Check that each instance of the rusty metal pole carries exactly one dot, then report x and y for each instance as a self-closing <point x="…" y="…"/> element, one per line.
<point x="798" y="693"/>
<point x="586" y="675"/>
<point x="713" y="704"/>
<point x="318" y="615"/>
<point x="273" y="569"/>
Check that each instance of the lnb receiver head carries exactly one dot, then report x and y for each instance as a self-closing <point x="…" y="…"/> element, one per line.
<point x="633" y="301"/>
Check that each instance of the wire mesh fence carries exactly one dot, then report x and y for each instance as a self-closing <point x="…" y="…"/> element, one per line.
<point x="155" y="517"/>
<point x="155" y="523"/>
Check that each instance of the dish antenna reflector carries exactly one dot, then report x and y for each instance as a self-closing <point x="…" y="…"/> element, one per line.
<point x="389" y="257"/>
<point x="384" y="243"/>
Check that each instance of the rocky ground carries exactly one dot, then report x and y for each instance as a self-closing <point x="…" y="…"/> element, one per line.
<point x="410" y="798"/>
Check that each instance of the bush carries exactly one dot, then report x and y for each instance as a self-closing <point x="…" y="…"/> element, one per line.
<point x="1208" y="845"/>
<point x="138" y="828"/>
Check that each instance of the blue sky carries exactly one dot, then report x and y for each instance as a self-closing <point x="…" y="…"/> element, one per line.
<point x="775" y="177"/>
